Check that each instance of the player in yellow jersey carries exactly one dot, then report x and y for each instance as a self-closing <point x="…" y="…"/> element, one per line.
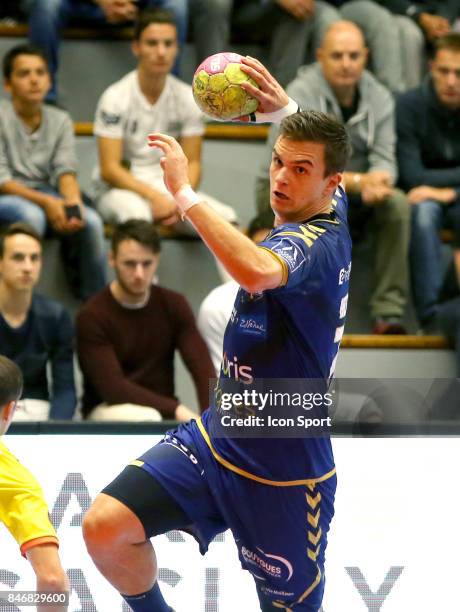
<point x="23" y="508"/>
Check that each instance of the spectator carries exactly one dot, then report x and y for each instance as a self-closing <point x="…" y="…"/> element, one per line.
<point x="148" y="99"/>
<point x="338" y="84"/>
<point x="418" y="25"/>
<point x="295" y="26"/>
<point x="48" y="17"/>
<point x="38" y="181"/>
<point x="23" y="509"/>
<point x="128" y="333"/>
<point x="428" y="123"/>
<point x="217" y="306"/>
<point x="35" y="332"/>
<point x="381" y="37"/>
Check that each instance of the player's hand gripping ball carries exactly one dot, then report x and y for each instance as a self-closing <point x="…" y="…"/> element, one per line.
<point x="217" y="90"/>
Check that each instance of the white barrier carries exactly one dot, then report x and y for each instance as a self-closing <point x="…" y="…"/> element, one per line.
<point x="393" y="544"/>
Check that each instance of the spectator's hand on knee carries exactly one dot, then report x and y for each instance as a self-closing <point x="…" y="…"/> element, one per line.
<point x="445" y="195"/>
<point x="376" y="186"/>
<point x="164" y="209"/>
<point x="433" y="26"/>
<point x="118" y="11"/>
<point x="300" y="9"/>
<point x="55" y="212"/>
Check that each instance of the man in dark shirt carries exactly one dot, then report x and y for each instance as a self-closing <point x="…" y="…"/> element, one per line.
<point x="34" y="330"/>
<point x="428" y="120"/>
<point x="127" y="335"/>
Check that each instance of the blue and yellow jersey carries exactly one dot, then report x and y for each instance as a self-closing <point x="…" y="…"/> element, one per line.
<point x="23" y="508"/>
<point x="293" y="331"/>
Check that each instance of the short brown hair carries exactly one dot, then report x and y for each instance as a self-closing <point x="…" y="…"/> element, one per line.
<point x="149" y="16"/>
<point x="11" y="381"/>
<point x="449" y="42"/>
<point x="23" y="49"/>
<point x="139" y="230"/>
<point x="313" y="126"/>
<point x="18" y="228"/>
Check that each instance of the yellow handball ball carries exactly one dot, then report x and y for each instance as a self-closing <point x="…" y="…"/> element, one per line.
<point x="217" y="87"/>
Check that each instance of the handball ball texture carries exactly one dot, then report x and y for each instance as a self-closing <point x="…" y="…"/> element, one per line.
<point x="216" y="87"/>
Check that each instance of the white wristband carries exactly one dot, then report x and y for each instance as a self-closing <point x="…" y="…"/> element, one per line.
<point x="185" y="198"/>
<point x="277" y="116"/>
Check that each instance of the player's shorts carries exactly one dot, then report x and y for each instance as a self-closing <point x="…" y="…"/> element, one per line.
<point x="280" y="532"/>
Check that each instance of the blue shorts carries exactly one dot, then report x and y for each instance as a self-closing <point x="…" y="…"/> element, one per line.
<point x="280" y="532"/>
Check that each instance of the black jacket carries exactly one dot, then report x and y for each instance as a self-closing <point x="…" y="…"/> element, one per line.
<point x="428" y="146"/>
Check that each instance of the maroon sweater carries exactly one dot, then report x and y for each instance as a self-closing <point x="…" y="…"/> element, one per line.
<point x="128" y="355"/>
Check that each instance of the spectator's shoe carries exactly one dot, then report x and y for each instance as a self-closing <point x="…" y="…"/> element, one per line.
<point x="389" y="326"/>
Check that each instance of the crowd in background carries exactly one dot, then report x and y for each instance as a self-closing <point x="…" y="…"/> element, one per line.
<point x="389" y="70"/>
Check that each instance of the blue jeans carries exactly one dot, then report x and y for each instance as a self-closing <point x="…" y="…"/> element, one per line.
<point x="84" y="251"/>
<point x="427" y="269"/>
<point x="48" y="17"/>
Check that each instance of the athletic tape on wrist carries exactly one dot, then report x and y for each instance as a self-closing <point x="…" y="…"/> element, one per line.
<point x="185" y="198"/>
<point x="277" y="116"/>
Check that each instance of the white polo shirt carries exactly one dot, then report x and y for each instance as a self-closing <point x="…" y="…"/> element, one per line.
<point x="123" y="112"/>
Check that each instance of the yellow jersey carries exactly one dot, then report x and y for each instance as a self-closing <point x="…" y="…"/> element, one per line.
<point x="23" y="508"/>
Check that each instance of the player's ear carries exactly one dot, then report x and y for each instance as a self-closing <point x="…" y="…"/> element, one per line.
<point x="333" y="182"/>
<point x="6" y="416"/>
<point x="8" y="411"/>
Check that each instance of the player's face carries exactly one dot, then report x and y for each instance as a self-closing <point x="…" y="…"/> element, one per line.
<point x="298" y="187"/>
<point x="21" y="263"/>
<point x="343" y="57"/>
<point x="30" y="79"/>
<point x="445" y="71"/>
<point x="135" y="266"/>
<point x="157" y="49"/>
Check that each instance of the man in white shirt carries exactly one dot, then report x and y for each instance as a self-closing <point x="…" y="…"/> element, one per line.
<point x="147" y="99"/>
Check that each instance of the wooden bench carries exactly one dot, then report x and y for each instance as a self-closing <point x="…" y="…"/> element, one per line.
<point x="369" y="341"/>
<point x="213" y="131"/>
<point x="21" y="30"/>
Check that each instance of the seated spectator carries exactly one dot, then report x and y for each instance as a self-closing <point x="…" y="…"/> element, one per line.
<point x="128" y="333"/>
<point x="296" y="27"/>
<point x="23" y="509"/>
<point x="338" y="84"/>
<point x="38" y="183"/>
<point x="47" y="18"/>
<point x="418" y="25"/>
<point x="428" y="124"/>
<point x="35" y="332"/>
<point x="148" y="99"/>
<point x="217" y="306"/>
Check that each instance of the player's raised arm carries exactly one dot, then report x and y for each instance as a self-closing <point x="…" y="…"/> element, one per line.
<point x="253" y="268"/>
